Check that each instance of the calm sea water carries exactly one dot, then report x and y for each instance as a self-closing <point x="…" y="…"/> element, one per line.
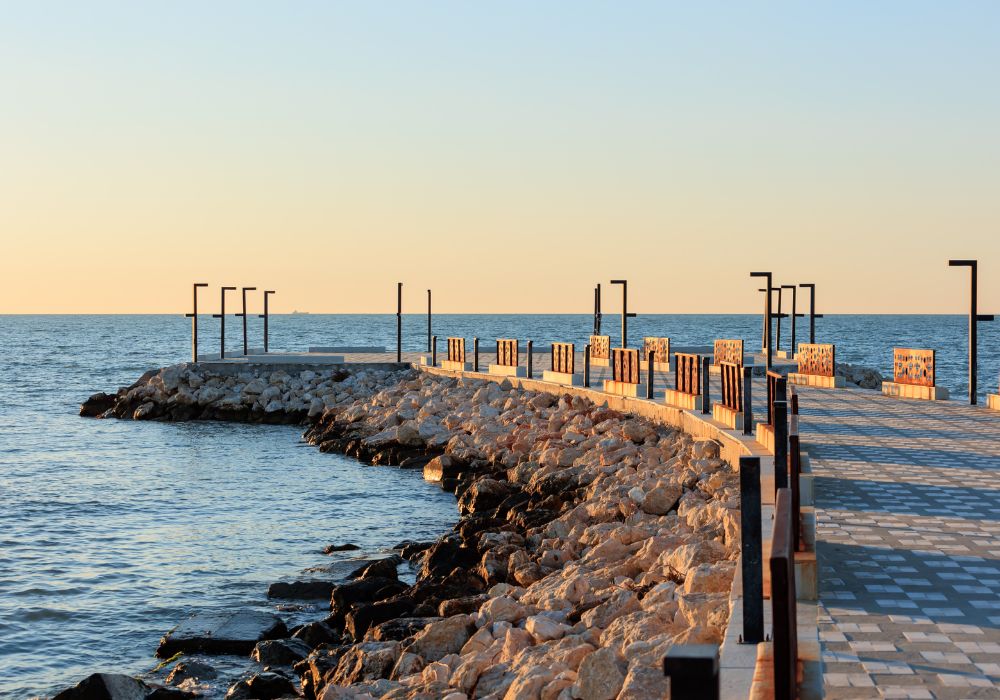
<point x="113" y="531"/>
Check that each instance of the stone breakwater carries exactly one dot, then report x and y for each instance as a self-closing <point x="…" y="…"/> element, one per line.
<point x="589" y="542"/>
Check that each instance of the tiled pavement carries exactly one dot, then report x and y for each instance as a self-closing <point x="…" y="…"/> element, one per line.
<point x="908" y="538"/>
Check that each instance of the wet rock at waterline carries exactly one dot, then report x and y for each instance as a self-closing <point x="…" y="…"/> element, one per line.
<point x="221" y="633"/>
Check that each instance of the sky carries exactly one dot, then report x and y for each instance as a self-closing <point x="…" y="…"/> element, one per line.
<point x="507" y="155"/>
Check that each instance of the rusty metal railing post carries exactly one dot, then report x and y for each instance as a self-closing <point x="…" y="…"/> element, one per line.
<point x="747" y="400"/>
<point x="780" y="427"/>
<point x="974" y="319"/>
<point x="531" y="360"/>
<point x="194" y="321"/>
<point x="586" y="365"/>
<point x="706" y="386"/>
<point x="649" y="374"/>
<point x="767" y="315"/>
<point x="399" y="321"/>
<point x="246" y="346"/>
<point x="475" y="354"/>
<point x="434" y="351"/>
<point x="752" y="551"/>
<point x="222" y="321"/>
<point x="693" y="670"/>
<point x="266" y="316"/>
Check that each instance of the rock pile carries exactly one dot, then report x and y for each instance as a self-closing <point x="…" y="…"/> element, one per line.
<point x="258" y="394"/>
<point x="589" y="543"/>
<point x="864" y="377"/>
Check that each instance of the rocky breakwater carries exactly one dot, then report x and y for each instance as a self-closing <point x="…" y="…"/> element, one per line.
<point x="257" y="394"/>
<point x="589" y="543"/>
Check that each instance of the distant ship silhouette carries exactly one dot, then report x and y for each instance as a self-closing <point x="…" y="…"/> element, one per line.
<point x="300" y="312"/>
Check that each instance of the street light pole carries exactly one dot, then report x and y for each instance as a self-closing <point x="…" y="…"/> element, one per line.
<point x="974" y="318"/>
<point x="246" y="348"/>
<point x="222" y="321"/>
<point x="812" y="310"/>
<point x="625" y="314"/>
<point x="194" y="321"/>
<point x="795" y="313"/>
<point x="265" y="316"/>
<point x="767" y="315"/>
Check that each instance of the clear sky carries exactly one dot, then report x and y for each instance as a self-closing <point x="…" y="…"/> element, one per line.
<point x="508" y="155"/>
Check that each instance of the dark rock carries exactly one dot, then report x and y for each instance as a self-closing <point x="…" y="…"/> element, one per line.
<point x="316" y="633"/>
<point x="221" y="633"/>
<point x="359" y="620"/>
<point x="268" y="686"/>
<point x="366" y="662"/>
<point x="399" y="628"/>
<point x="461" y="606"/>
<point x="280" y="652"/>
<point x="411" y="549"/>
<point x="97" y="405"/>
<point x="170" y="694"/>
<point x="346" y="547"/>
<point x="106" y="686"/>
<point x="484" y="495"/>
<point x="301" y="590"/>
<point x="317" y="671"/>
<point x="365" y="590"/>
<point x="380" y="568"/>
<point x="184" y="670"/>
<point x="445" y="556"/>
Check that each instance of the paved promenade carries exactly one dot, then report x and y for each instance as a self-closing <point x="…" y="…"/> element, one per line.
<point x="908" y="536"/>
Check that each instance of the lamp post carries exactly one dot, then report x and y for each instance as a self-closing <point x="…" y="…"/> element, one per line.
<point x="399" y="321"/>
<point x="265" y="316"/>
<point x="246" y="348"/>
<point x="428" y="320"/>
<point x="767" y="315"/>
<point x="974" y="318"/>
<point x="597" y="309"/>
<point x="194" y="321"/>
<point x="625" y="314"/>
<point x="812" y="310"/>
<point x="794" y="314"/>
<point x="222" y="321"/>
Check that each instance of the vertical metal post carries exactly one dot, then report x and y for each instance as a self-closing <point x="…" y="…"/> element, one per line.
<point x="812" y="310"/>
<point x="747" y="404"/>
<point x="752" y="549"/>
<point x="625" y="314"/>
<point x="475" y="354"/>
<point x="586" y="365"/>
<point x="194" y="321"/>
<point x="530" y="360"/>
<point x="649" y="374"/>
<point x="434" y="351"/>
<point x="777" y="321"/>
<point x="598" y="317"/>
<point x="974" y="318"/>
<point x="706" y="386"/>
<point x="767" y="315"/>
<point x="780" y="427"/>
<point x="246" y="346"/>
<point x="428" y="320"/>
<point x="222" y="319"/>
<point x="399" y="321"/>
<point x="795" y="314"/>
<point x="693" y="670"/>
<point x="266" y="317"/>
<point x="795" y="470"/>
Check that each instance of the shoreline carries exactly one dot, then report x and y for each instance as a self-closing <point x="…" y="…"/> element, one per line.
<point x="576" y="485"/>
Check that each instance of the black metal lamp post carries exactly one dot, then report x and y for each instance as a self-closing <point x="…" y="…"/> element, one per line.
<point x="795" y="314"/>
<point x="974" y="318"/>
<point x="625" y="314"/>
<point x="194" y="321"/>
<point x="597" y="309"/>
<point x="265" y="316"/>
<point x="222" y="321"/>
<point x="428" y="320"/>
<point x="777" y="321"/>
<point x="399" y="321"/>
<point x="767" y="315"/>
<point x="812" y="310"/>
<point x="246" y="348"/>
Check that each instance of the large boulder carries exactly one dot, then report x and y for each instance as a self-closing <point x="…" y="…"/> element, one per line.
<point x="106" y="686"/>
<point x="221" y="633"/>
<point x="443" y="637"/>
<point x="280" y="652"/>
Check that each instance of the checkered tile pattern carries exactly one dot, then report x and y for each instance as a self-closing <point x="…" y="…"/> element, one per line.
<point x="908" y="538"/>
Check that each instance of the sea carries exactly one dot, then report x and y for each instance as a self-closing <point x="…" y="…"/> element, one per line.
<point x="112" y="532"/>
